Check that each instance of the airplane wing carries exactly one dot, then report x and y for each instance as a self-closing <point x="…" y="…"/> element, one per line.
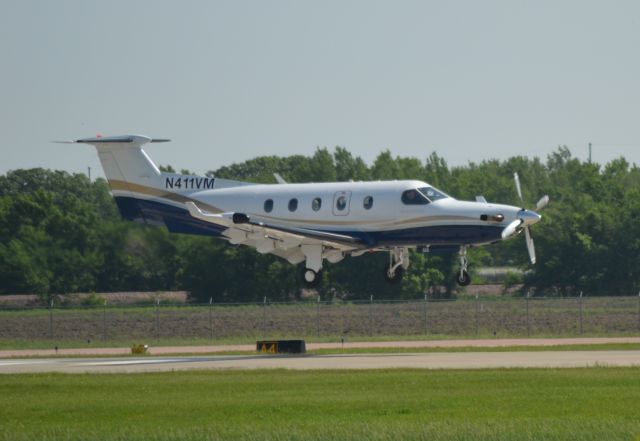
<point x="279" y="240"/>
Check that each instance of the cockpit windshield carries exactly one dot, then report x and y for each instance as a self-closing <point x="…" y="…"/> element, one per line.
<point x="422" y="196"/>
<point x="433" y="194"/>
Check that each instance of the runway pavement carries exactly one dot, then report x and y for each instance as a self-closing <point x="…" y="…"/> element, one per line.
<point x="439" y="360"/>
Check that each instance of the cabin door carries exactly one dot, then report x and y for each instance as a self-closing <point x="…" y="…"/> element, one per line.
<point x="341" y="203"/>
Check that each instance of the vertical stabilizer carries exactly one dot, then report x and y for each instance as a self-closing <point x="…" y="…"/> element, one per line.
<point x="131" y="173"/>
<point x="124" y="162"/>
<point x="142" y="192"/>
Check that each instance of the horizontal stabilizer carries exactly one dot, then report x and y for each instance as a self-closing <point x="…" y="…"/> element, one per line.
<point x="135" y="140"/>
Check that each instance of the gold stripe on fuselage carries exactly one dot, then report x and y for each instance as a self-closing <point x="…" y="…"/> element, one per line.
<point x="156" y="192"/>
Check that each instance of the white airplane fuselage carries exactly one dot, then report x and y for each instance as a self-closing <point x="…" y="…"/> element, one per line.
<point x="388" y="221"/>
<point x="306" y="222"/>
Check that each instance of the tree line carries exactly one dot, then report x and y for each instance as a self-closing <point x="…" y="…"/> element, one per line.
<point x="61" y="233"/>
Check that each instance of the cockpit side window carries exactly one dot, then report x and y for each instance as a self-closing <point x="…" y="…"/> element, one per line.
<point x="414" y="197"/>
<point x="433" y="194"/>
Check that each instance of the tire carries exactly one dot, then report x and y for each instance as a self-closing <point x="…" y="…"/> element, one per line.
<point x="310" y="278"/>
<point x="464" y="279"/>
<point x="397" y="277"/>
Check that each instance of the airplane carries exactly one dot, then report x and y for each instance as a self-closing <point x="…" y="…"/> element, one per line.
<point x="309" y="222"/>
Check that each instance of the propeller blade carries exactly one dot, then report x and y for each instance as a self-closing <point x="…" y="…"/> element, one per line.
<point x="510" y="229"/>
<point x="530" y="247"/>
<point x="544" y="200"/>
<point x="518" y="189"/>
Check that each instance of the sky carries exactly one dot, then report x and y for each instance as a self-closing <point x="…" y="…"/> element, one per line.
<point x="231" y="80"/>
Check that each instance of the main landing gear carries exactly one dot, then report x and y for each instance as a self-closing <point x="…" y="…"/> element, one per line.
<point x="311" y="278"/>
<point x="393" y="271"/>
<point x="399" y="262"/>
<point x="313" y="264"/>
<point x="314" y="255"/>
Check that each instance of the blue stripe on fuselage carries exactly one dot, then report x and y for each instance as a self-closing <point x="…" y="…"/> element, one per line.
<point x="439" y="235"/>
<point x="178" y="220"/>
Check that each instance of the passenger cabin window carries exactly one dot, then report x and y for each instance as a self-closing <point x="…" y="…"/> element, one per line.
<point x="316" y="204"/>
<point x="341" y="203"/>
<point x="293" y="204"/>
<point x="268" y="205"/>
<point x="414" y="197"/>
<point x="368" y="202"/>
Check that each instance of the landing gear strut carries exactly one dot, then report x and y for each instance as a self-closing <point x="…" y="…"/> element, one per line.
<point x="398" y="263"/>
<point x="464" y="278"/>
<point x="313" y="264"/>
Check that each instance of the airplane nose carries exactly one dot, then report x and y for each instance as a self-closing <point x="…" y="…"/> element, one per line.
<point x="529" y="217"/>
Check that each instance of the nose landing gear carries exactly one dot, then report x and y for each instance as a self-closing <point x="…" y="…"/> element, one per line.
<point x="398" y="263"/>
<point x="464" y="279"/>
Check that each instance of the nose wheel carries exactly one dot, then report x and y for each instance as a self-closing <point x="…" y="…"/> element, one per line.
<point x="398" y="263"/>
<point x="464" y="279"/>
<point x="392" y="275"/>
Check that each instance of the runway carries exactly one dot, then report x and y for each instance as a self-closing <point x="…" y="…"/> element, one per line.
<point x="439" y="360"/>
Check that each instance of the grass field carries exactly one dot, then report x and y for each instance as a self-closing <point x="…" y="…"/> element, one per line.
<point x="527" y="404"/>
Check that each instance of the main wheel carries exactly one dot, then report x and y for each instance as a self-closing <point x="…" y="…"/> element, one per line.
<point x="311" y="278"/>
<point x="394" y="277"/>
<point x="464" y="278"/>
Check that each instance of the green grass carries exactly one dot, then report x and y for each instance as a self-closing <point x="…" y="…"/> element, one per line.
<point x="518" y="404"/>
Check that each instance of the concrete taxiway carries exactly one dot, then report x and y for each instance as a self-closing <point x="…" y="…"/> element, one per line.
<point x="438" y="360"/>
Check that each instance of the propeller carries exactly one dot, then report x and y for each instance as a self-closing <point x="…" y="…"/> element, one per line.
<point x="525" y="218"/>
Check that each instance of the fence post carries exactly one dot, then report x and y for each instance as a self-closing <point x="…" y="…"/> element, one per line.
<point x="51" y="319"/>
<point x="104" y="320"/>
<point x="638" y="310"/>
<point x="157" y="319"/>
<point x="426" y="329"/>
<point x="318" y="318"/>
<point x="264" y="318"/>
<point x="371" y="315"/>
<point x="477" y="330"/>
<point x="211" y="318"/>
<point x="528" y="322"/>
<point x="580" y="312"/>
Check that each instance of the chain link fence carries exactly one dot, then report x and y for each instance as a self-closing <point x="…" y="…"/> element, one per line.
<point x="499" y="317"/>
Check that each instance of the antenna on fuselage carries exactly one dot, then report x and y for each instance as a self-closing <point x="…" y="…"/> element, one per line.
<point x="279" y="178"/>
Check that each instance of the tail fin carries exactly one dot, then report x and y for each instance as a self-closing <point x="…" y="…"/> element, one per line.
<point x="142" y="192"/>
<point x="132" y="175"/>
<point x="124" y="162"/>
